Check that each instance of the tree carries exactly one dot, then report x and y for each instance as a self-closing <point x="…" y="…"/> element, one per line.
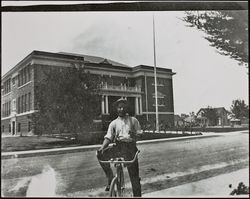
<point x="68" y="101"/>
<point x="240" y="109"/>
<point x="227" y="31"/>
<point x="211" y="114"/>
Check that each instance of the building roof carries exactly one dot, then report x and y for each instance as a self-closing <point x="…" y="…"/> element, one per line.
<point x="96" y="59"/>
<point x="218" y="110"/>
<point x="150" y="68"/>
<point x="86" y="58"/>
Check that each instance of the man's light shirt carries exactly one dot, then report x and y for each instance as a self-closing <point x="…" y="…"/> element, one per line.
<point x="120" y="128"/>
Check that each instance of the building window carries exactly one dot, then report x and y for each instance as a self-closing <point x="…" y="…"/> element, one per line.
<point x="2" y="110"/>
<point x="13" y="81"/>
<point x="9" y="108"/>
<point x="160" y="82"/>
<point x="24" y="76"/>
<point x="18" y="79"/>
<point x="21" y="78"/>
<point x="19" y="127"/>
<point x="25" y="103"/>
<point x="14" y="104"/>
<point x="29" y="101"/>
<point x="18" y="105"/>
<point x="7" y="86"/>
<point x="161" y="102"/>
<point x="29" y="126"/>
<point x="2" y="129"/>
<point x="9" y="127"/>
<point x="29" y="73"/>
<point x="21" y="104"/>
<point x="6" y="109"/>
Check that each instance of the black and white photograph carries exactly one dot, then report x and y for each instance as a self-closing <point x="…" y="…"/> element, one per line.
<point x="124" y="99"/>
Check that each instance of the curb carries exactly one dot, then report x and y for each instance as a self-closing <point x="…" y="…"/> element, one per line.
<point x="55" y="151"/>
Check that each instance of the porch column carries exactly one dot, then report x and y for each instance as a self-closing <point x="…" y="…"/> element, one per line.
<point x="107" y="104"/>
<point x="103" y="105"/>
<point x="140" y="100"/>
<point x="136" y="106"/>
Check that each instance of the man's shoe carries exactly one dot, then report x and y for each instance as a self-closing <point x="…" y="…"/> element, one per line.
<point x="107" y="188"/>
<point x="109" y="182"/>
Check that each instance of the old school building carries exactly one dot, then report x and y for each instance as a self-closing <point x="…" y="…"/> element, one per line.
<point x="136" y="84"/>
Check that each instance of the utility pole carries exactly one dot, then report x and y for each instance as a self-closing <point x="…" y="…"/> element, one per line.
<point x="156" y="93"/>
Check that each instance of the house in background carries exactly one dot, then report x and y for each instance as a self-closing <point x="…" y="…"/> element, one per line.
<point x="19" y="101"/>
<point x="243" y="121"/>
<point x="220" y="120"/>
<point x="178" y="120"/>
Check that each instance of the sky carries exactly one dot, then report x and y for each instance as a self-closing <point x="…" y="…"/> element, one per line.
<point x="203" y="76"/>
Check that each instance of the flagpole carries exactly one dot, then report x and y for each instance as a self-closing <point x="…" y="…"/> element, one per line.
<point x="156" y="93"/>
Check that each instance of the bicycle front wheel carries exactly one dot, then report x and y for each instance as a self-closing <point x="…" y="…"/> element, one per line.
<point x="115" y="188"/>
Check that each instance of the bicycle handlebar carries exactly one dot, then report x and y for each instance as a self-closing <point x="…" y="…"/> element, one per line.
<point x="120" y="161"/>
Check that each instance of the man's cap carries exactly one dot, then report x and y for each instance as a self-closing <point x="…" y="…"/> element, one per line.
<point x="121" y="100"/>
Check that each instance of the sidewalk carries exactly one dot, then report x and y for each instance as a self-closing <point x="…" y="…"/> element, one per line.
<point x="214" y="186"/>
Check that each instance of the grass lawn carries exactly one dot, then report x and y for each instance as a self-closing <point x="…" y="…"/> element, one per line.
<point x="33" y="142"/>
<point x="45" y="142"/>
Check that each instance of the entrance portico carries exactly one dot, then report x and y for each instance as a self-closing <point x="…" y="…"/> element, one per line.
<point x="134" y="104"/>
<point x="112" y="93"/>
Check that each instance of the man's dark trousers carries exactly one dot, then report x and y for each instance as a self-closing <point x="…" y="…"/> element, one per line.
<point x="128" y="151"/>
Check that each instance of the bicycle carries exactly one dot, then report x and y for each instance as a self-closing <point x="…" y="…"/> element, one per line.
<point x="117" y="186"/>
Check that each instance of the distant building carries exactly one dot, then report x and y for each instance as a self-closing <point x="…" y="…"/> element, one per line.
<point x="221" y="120"/>
<point x="183" y="115"/>
<point x="178" y="120"/>
<point x="243" y="121"/>
<point x="19" y="101"/>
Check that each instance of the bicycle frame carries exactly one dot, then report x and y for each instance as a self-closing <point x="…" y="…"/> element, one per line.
<point x="117" y="185"/>
<point x="118" y="180"/>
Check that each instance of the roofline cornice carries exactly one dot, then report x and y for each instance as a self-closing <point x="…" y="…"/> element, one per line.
<point x="71" y="58"/>
<point x="24" y="61"/>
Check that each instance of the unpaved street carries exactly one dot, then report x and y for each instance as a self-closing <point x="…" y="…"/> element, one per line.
<point x="162" y="165"/>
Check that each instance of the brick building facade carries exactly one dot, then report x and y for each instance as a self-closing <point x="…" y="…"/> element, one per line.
<point x="136" y="84"/>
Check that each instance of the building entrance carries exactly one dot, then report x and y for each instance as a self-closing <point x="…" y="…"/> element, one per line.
<point x="112" y="110"/>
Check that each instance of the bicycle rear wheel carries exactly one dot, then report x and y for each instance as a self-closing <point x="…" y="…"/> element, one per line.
<point x="115" y="188"/>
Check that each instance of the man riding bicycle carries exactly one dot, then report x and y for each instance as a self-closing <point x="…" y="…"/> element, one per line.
<point x="122" y="131"/>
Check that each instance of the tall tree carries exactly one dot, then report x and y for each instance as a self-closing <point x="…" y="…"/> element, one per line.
<point x="67" y="101"/>
<point x="240" y="109"/>
<point x="227" y="31"/>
